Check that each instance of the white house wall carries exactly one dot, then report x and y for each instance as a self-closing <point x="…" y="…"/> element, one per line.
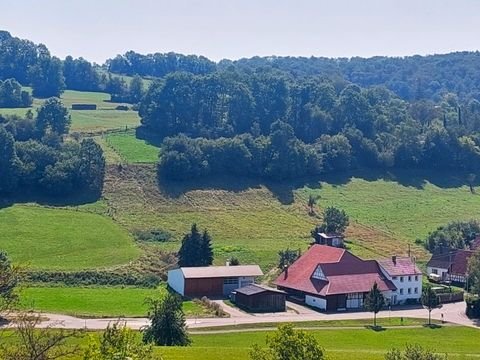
<point x="176" y="281"/>
<point x="316" y="302"/>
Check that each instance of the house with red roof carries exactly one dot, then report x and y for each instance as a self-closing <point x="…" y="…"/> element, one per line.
<point x="333" y="279"/>
<point x="450" y="267"/>
<point x="406" y="276"/>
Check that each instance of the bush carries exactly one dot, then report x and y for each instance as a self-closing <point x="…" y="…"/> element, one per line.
<point x="473" y="307"/>
<point x="155" y="235"/>
<point x="122" y="108"/>
<point x="213" y="307"/>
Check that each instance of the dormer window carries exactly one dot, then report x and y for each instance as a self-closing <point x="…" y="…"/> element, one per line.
<point x="318" y="273"/>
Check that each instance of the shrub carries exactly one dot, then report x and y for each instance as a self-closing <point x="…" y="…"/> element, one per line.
<point x="154" y="235"/>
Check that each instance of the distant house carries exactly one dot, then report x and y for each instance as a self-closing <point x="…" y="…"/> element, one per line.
<point x="406" y="276"/>
<point x="329" y="239"/>
<point x="259" y="298"/>
<point x="333" y="279"/>
<point x="84" y="107"/>
<point x="450" y="267"/>
<point x="212" y="281"/>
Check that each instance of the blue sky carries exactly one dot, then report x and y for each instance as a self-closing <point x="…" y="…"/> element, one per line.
<point x="99" y="29"/>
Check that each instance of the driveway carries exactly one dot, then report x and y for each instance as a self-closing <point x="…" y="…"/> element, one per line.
<point x="453" y="313"/>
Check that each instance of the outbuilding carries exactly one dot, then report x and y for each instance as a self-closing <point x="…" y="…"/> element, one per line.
<point x="258" y="298"/>
<point x="212" y="281"/>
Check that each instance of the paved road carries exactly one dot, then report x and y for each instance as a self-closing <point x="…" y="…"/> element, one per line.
<point x="454" y="313"/>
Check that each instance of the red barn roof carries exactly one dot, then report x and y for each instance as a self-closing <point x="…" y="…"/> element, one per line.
<point x="325" y="270"/>
<point x="456" y="262"/>
<point x="400" y="266"/>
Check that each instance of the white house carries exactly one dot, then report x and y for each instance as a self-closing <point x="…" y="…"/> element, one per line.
<point x="406" y="277"/>
<point x="451" y="266"/>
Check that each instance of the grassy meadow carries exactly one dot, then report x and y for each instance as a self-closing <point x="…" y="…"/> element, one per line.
<point x="365" y="344"/>
<point x="104" y="118"/>
<point x="63" y="239"/>
<point x="132" y="150"/>
<point x="109" y="302"/>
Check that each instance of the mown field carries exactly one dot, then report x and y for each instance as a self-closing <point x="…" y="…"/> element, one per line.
<point x="63" y="239"/>
<point x="130" y="149"/>
<point x="104" y="118"/>
<point x="365" y="344"/>
<point x="109" y="302"/>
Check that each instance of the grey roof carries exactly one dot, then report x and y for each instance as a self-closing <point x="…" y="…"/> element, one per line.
<point x="221" y="271"/>
<point x="253" y="289"/>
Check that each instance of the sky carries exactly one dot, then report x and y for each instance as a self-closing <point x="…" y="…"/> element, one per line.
<point x="100" y="29"/>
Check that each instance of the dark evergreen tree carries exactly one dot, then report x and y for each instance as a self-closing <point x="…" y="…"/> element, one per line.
<point x="374" y="302"/>
<point x="168" y="326"/>
<point x="190" y="253"/>
<point x="206" y="249"/>
<point x="8" y="162"/>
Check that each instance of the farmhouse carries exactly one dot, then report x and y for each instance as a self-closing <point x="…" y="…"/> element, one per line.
<point x="450" y="267"/>
<point x="406" y="276"/>
<point x="212" y="281"/>
<point x="257" y="298"/>
<point x="332" y="279"/>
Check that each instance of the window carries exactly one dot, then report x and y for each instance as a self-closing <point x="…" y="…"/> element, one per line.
<point x="435" y="271"/>
<point x="401" y="291"/>
<point x="318" y="274"/>
<point x="409" y="290"/>
<point x="401" y="278"/>
<point x="409" y="278"/>
<point x="416" y="277"/>
<point x="394" y="278"/>
<point x="230" y="281"/>
<point x="416" y="290"/>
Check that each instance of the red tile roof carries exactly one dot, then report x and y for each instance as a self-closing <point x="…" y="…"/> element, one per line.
<point x="344" y="273"/>
<point x="456" y="262"/>
<point x="401" y="266"/>
<point x="475" y="245"/>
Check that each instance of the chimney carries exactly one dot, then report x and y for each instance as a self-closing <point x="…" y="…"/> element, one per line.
<point x="285" y="272"/>
<point x="394" y="259"/>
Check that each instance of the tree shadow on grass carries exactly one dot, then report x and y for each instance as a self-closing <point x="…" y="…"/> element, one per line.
<point x="432" y="326"/>
<point x="80" y="198"/>
<point x="284" y="190"/>
<point x="377" y="328"/>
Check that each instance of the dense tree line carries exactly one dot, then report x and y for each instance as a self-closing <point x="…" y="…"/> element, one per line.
<point x="34" y="154"/>
<point x="159" y="65"/>
<point x="12" y="95"/>
<point x="455" y="235"/>
<point x="411" y="77"/>
<point x="266" y="124"/>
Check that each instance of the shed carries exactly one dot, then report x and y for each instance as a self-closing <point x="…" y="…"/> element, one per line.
<point x="212" y="281"/>
<point x="257" y="298"/>
<point x="84" y="107"/>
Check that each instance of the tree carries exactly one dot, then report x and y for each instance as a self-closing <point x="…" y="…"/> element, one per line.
<point x="46" y="75"/>
<point x="135" y="90"/>
<point x="168" y="326"/>
<point x="287" y="257"/>
<point x="471" y="182"/>
<point x="234" y="261"/>
<point x="430" y="301"/>
<point x="474" y="273"/>
<point x="374" y="302"/>
<point x="196" y="249"/>
<point x="8" y="161"/>
<point x="413" y="352"/>
<point x="289" y="344"/>
<point x="92" y="165"/>
<point x="53" y="117"/>
<point x="334" y="221"/>
<point x="9" y="280"/>
<point x="36" y="343"/>
<point x="118" y="342"/>
<point x="312" y="200"/>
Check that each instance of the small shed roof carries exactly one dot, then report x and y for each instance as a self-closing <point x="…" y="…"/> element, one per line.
<point x="221" y="271"/>
<point x="254" y="289"/>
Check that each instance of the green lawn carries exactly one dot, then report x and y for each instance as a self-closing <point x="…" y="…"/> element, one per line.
<point x="98" y="301"/>
<point x="131" y="149"/>
<point x="104" y="118"/>
<point x="48" y="238"/>
<point x="459" y="342"/>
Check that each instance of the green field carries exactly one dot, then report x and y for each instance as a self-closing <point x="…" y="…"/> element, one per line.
<point x="98" y="301"/>
<point x="253" y="222"/>
<point x="104" y="118"/>
<point x="365" y="344"/>
<point x="131" y="149"/>
<point x="47" y="238"/>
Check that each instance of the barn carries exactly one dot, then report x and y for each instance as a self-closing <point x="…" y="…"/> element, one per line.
<point x="258" y="298"/>
<point x="212" y="281"/>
